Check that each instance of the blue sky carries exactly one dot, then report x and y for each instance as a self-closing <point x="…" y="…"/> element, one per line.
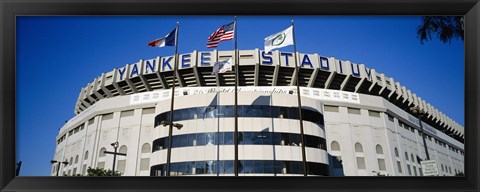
<point x="57" y="56"/>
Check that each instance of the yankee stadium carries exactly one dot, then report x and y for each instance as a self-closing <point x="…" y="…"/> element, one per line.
<point x="355" y="120"/>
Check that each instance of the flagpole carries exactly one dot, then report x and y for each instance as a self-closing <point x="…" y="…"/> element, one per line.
<point x="170" y="128"/>
<point x="297" y="70"/>
<point x="235" y="111"/>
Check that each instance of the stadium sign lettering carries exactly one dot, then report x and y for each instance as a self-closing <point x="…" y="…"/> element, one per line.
<point x="310" y="62"/>
<point x="204" y="59"/>
<point x="166" y="62"/>
<point x="149" y="65"/>
<point x="134" y="71"/>
<point x="121" y="71"/>
<point x="185" y="60"/>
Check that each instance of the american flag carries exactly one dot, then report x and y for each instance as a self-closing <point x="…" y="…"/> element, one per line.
<point x="225" y="32"/>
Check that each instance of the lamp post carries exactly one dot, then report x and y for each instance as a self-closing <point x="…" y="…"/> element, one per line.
<point x="419" y="114"/>
<point x="58" y="164"/>
<point x="169" y="150"/>
<point x="115" y="146"/>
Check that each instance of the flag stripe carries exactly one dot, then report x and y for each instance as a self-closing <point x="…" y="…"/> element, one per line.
<point x="225" y="32"/>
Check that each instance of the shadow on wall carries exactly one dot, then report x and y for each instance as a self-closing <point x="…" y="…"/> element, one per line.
<point x="262" y="100"/>
<point x="335" y="166"/>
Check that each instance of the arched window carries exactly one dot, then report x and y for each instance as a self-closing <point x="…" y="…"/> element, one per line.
<point x="85" y="157"/>
<point x="121" y="163"/>
<point x="145" y="162"/>
<point x="76" y="159"/>
<point x="146" y="148"/>
<point x="411" y="158"/>
<point x="334" y="146"/>
<point x="380" y="160"/>
<point x="71" y="161"/>
<point x="358" y="147"/>
<point x="102" y="152"/>
<point x="360" y="159"/>
<point x="379" y="149"/>
<point x="396" y="152"/>
<point x="123" y="149"/>
<point x="406" y="156"/>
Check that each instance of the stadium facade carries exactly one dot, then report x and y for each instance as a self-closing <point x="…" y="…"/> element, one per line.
<point x="357" y="122"/>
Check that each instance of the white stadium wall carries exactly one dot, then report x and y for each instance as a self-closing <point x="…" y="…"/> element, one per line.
<point x="362" y="126"/>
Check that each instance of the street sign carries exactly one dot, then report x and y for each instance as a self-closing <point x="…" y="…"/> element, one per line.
<point x="429" y="167"/>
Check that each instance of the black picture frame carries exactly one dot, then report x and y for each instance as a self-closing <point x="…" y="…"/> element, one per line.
<point x="10" y="9"/>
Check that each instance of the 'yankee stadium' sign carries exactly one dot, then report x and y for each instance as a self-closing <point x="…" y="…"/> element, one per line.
<point x="207" y="59"/>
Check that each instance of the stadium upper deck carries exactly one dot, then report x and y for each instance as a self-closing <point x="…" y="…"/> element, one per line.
<point x="257" y="68"/>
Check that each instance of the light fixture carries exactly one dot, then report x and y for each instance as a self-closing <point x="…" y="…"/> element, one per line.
<point x="177" y="125"/>
<point x="115" y="144"/>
